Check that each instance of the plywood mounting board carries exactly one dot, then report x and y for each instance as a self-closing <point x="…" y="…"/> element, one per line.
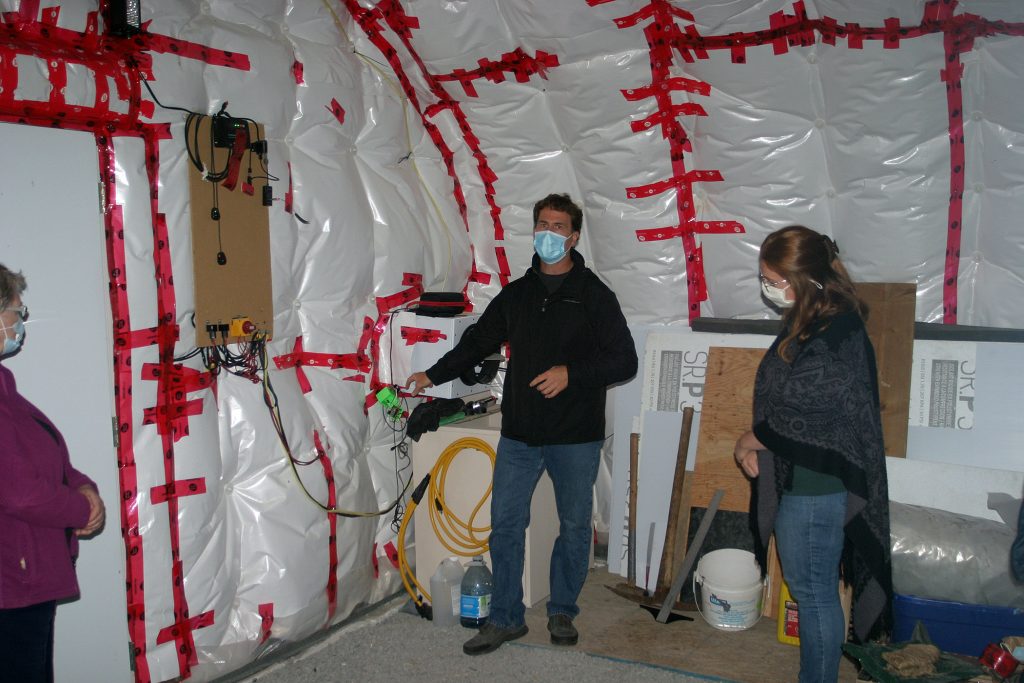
<point x="240" y="287"/>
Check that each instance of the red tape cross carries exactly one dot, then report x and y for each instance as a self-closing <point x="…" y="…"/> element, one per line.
<point x="300" y="357"/>
<point x="682" y="181"/>
<point x="178" y="377"/>
<point x="172" y="417"/>
<point x="181" y="633"/>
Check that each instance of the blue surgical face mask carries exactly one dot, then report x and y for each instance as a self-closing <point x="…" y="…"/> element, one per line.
<point x="12" y="344"/>
<point x="550" y="246"/>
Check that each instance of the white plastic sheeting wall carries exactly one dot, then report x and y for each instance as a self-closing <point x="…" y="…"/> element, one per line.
<point x="411" y="140"/>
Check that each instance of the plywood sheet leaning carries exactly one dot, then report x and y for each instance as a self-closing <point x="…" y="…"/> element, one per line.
<point x="891" y="329"/>
<point x="727" y="412"/>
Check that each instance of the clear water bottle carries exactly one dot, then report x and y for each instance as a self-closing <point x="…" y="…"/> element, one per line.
<point x="445" y="592"/>
<point x="477" y="585"/>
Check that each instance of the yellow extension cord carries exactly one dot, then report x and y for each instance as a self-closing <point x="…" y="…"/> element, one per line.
<point x="458" y="536"/>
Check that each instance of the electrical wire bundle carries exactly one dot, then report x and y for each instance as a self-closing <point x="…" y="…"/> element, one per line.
<point x="400" y="447"/>
<point x="270" y="398"/>
<point x="249" y="362"/>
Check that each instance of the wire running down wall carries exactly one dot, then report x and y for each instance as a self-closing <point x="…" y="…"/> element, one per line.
<point x="410" y="141"/>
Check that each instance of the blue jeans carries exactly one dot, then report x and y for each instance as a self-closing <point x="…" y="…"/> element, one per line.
<point x="809" y="535"/>
<point x="572" y="469"/>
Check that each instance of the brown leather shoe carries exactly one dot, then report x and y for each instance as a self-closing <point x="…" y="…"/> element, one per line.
<point x="491" y="637"/>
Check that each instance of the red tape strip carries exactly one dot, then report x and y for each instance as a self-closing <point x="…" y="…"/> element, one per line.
<point x="127" y="473"/>
<point x="177" y="489"/>
<point x="337" y="111"/>
<point x="238" y="150"/>
<point x="392" y="553"/>
<point x="332" y="539"/>
<point x="704" y="227"/>
<point x="417" y="335"/>
<point x="266" y="612"/>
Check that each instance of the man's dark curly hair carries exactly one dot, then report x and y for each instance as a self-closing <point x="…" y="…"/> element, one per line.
<point x="563" y="203"/>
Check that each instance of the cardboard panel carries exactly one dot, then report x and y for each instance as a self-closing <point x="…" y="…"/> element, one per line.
<point x="240" y="287"/>
<point x="891" y="329"/>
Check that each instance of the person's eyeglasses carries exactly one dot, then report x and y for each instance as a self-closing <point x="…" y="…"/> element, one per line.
<point x="22" y="311"/>
<point x="771" y="283"/>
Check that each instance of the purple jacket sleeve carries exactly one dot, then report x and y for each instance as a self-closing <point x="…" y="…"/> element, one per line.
<point x="77" y="480"/>
<point x="34" y="492"/>
<point x="36" y="500"/>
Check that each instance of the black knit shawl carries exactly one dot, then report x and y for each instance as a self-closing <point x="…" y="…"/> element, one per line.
<point x="822" y="412"/>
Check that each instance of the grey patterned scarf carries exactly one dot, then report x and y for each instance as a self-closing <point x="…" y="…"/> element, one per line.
<point x="822" y="413"/>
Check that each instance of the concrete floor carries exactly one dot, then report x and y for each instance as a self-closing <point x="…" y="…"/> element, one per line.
<point x="615" y="627"/>
<point x="619" y="641"/>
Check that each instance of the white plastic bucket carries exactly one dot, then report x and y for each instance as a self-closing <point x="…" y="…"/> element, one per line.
<point x="731" y="589"/>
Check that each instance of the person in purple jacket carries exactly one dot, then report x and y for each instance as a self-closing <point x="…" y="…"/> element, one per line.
<point x="45" y="504"/>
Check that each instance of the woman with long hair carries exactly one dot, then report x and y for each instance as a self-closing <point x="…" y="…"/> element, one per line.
<point x="815" y="450"/>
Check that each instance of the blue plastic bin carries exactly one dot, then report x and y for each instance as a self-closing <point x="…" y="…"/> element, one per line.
<point x="955" y="626"/>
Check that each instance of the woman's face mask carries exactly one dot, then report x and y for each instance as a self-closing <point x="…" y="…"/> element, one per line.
<point x="774" y="293"/>
<point x="14" y="334"/>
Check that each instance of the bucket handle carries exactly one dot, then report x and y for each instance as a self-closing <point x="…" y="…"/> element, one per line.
<point x="766" y="590"/>
<point x="697" y="600"/>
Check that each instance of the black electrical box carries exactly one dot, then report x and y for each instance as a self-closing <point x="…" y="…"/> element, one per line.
<point x="225" y="128"/>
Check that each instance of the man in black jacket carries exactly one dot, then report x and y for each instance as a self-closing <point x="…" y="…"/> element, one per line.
<point x="568" y="342"/>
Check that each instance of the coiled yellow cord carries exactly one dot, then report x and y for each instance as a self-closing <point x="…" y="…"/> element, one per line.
<point x="458" y="536"/>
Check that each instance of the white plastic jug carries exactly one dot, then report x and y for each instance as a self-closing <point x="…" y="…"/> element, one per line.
<point x="445" y="586"/>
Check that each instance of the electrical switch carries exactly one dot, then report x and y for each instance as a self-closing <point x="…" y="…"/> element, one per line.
<point x="241" y="327"/>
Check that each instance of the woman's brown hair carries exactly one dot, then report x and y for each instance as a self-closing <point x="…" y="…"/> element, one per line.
<point x="809" y="262"/>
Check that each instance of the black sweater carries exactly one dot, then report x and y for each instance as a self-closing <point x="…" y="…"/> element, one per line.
<point x="579" y="325"/>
